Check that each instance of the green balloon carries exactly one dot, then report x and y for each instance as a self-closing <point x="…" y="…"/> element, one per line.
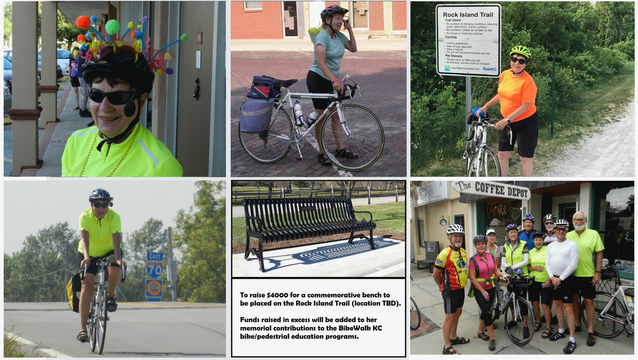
<point x="184" y="37"/>
<point x="112" y="27"/>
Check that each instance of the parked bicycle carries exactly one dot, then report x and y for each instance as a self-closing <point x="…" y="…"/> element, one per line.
<point x="480" y="159"/>
<point x="361" y="132"/>
<point x="415" y="315"/>
<point x="510" y="307"/>
<point x="98" y="314"/>
<point x="613" y="313"/>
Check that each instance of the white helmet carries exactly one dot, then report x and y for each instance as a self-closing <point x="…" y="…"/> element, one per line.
<point x="455" y="229"/>
<point x="561" y="222"/>
<point x="490" y="231"/>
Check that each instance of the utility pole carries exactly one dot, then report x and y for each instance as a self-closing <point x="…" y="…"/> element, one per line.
<point x="172" y="268"/>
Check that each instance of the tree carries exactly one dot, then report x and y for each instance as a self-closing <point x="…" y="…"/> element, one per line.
<point x="8" y="14"/>
<point x="201" y="238"/>
<point x="67" y="31"/>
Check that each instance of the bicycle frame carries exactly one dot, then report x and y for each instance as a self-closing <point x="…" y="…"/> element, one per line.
<point x="627" y="320"/>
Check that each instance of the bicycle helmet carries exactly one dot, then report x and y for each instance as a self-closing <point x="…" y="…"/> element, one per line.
<point x="479" y="238"/>
<point x="490" y="231"/>
<point x="561" y="223"/>
<point x="331" y="10"/>
<point x="529" y="217"/>
<point x="121" y="63"/>
<point x="521" y="50"/>
<point x="536" y="234"/>
<point x="455" y="229"/>
<point x="549" y="217"/>
<point x="100" y="194"/>
<point x="511" y="227"/>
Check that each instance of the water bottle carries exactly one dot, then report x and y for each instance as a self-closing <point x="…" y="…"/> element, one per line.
<point x="298" y="113"/>
<point x="311" y="118"/>
<point x="630" y="304"/>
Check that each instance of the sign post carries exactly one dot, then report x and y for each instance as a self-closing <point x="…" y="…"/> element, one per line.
<point x="468" y="40"/>
<point x="489" y="188"/>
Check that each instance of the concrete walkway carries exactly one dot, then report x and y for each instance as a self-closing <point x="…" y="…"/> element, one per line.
<point x="428" y="338"/>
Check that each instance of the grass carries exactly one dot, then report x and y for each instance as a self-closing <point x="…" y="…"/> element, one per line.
<point x="241" y="192"/>
<point x="388" y="217"/>
<point x="598" y="105"/>
<point x="13" y="349"/>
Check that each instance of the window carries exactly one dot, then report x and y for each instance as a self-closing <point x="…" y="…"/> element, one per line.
<point x="252" y="5"/>
<point x="421" y="225"/>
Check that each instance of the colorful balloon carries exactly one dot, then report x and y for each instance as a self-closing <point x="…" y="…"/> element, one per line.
<point x="83" y="22"/>
<point x="112" y="27"/>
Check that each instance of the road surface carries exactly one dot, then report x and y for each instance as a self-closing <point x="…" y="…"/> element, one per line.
<point x="135" y="330"/>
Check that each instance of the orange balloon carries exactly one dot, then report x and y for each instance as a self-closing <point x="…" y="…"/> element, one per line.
<point x="83" y="22"/>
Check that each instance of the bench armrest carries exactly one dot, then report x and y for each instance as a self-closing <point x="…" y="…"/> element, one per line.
<point x="258" y="222"/>
<point x="364" y="212"/>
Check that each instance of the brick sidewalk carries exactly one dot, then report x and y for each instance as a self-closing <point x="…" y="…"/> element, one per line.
<point x="380" y="74"/>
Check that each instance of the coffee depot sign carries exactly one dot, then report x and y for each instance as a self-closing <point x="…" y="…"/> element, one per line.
<point x="492" y="189"/>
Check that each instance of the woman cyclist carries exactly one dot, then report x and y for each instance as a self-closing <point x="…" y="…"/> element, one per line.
<point x="516" y="256"/>
<point x="516" y="95"/>
<point x="100" y="236"/>
<point x="540" y="290"/>
<point x="323" y="76"/>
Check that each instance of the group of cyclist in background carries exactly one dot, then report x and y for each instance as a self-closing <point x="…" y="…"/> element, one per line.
<point x="561" y="265"/>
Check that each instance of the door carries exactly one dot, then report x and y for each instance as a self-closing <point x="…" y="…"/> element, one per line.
<point x="195" y="65"/>
<point x="290" y="19"/>
<point x="359" y="15"/>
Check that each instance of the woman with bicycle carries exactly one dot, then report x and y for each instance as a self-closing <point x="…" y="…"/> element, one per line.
<point x="516" y="256"/>
<point x="100" y="236"/>
<point x="482" y="270"/>
<point x="541" y="287"/>
<point x="516" y="95"/>
<point x="323" y="76"/>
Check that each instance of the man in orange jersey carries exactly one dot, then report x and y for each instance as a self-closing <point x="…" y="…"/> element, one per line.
<point x="450" y="274"/>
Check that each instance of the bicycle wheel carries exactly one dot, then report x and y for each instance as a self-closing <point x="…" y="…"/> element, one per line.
<point x="484" y="164"/>
<point x="517" y="332"/>
<point x="612" y="323"/>
<point x="415" y="315"/>
<point x="90" y="324"/>
<point x="366" y="138"/>
<point x="101" y="318"/>
<point x="494" y="309"/>
<point x="271" y="145"/>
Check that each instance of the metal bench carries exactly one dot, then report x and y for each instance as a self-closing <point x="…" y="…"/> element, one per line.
<point x="274" y="220"/>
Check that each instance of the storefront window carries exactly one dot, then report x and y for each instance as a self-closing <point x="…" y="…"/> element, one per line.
<point x="499" y="214"/>
<point x="619" y="229"/>
<point x="421" y="235"/>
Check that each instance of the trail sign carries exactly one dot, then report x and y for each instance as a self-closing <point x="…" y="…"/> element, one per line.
<point x="468" y="40"/>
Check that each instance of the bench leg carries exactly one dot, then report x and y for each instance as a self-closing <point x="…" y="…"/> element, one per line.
<point x="260" y="256"/>
<point x="351" y="237"/>
<point x="371" y="240"/>
<point x="247" y="252"/>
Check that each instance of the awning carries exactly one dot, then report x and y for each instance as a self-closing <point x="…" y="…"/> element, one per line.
<point x="532" y="185"/>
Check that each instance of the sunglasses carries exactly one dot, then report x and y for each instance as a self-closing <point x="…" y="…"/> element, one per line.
<point x="578" y="220"/>
<point x="561" y="228"/>
<point x="115" y="97"/>
<point x="520" y="61"/>
<point x="549" y="223"/>
<point x="101" y="205"/>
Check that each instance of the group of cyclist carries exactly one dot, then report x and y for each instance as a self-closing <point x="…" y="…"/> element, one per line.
<point x="561" y="265"/>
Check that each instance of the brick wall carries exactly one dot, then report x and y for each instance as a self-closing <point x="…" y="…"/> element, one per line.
<point x="375" y="15"/>
<point x="256" y="24"/>
<point x="400" y="15"/>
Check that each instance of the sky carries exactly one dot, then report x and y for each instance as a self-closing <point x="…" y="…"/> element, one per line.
<point x="34" y="204"/>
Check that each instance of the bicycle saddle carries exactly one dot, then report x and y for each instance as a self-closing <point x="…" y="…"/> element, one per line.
<point x="285" y="83"/>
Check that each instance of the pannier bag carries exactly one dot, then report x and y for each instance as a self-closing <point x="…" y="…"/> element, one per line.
<point x="255" y="115"/>
<point x="73" y="289"/>
<point x="263" y="88"/>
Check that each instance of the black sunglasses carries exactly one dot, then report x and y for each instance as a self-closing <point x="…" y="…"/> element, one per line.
<point x="115" y="97"/>
<point x="520" y="61"/>
<point x="100" y="205"/>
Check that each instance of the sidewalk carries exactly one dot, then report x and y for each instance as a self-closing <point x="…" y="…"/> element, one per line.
<point x="399" y="42"/>
<point x="428" y="339"/>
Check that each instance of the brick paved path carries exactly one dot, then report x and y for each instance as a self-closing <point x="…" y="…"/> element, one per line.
<point x="382" y="77"/>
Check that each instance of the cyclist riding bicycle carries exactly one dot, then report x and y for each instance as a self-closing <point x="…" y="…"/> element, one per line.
<point x="120" y="79"/>
<point x="516" y="256"/>
<point x="323" y="76"/>
<point x="101" y="236"/>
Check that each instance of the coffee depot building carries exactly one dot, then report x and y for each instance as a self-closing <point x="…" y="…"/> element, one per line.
<point x="480" y="205"/>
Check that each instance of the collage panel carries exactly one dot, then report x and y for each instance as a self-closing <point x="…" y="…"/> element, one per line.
<point x="119" y="268"/>
<point x="522" y="267"/>
<point x="327" y="255"/>
<point x="139" y="89"/>
<point x="287" y="77"/>
<point x="522" y="89"/>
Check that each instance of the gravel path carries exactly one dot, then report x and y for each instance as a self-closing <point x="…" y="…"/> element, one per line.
<point x="608" y="153"/>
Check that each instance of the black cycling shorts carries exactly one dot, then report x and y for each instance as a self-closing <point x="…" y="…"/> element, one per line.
<point x="583" y="287"/>
<point x="93" y="262"/>
<point x="317" y="84"/>
<point x="452" y="300"/>
<point x="524" y="132"/>
<point x="565" y="292"/>
<point x="536" y="292"/>
<point x="75" y="82"/>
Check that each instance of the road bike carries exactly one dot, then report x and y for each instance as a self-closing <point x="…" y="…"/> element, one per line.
<point x="98" y="312"/>
<point x="415" y="315"/>
<point x="510" y="307"/>
<point x="613" y="313"/>
<point x="480" y="159"/>
<point x="354" y="128"/>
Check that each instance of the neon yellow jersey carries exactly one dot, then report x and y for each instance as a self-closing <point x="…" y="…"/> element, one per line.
<point x="453" y="263"/>
<point x="589" y="242"/>
<point x="140" y="155"/>
<point x="100" y="231"/>
<point x="516" y="256"/>
<point x="537" y="257"/>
